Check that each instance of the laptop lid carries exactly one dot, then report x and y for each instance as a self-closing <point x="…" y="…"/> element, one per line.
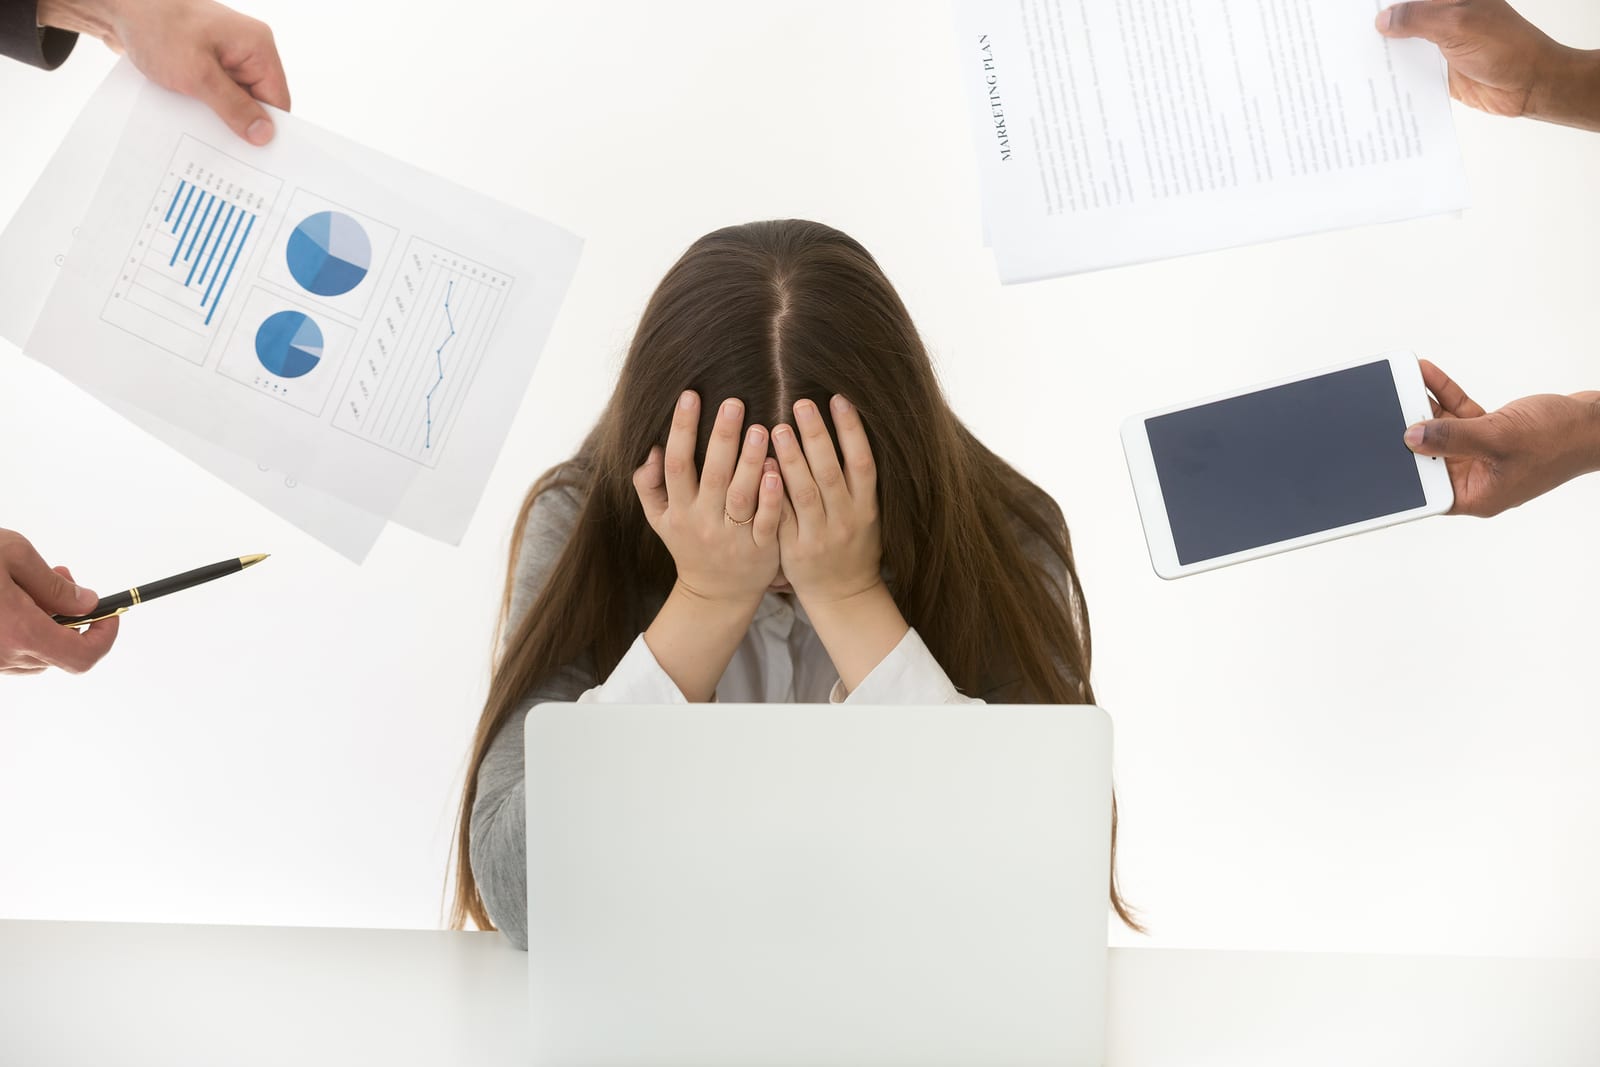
<point x="806" y="884"/>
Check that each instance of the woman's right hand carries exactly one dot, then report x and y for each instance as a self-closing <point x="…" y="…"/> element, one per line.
<point x="722" y="526"/>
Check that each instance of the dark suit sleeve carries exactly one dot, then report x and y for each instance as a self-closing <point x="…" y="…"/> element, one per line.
<point x="22" y="38"/>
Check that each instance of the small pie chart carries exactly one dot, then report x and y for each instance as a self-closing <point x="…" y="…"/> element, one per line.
<point x="329" y="253"/>
<point x="289" y="344"/>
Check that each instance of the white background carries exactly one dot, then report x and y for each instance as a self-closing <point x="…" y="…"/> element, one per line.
<point x="1387" y="743"/>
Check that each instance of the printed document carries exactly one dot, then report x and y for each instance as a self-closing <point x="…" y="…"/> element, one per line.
<point x="1112" y="132"/>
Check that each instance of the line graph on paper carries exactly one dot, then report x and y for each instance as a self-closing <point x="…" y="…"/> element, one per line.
<point x="416" y="369"/>
<point x="193" y="246"/>
<point x="439" y="357"/>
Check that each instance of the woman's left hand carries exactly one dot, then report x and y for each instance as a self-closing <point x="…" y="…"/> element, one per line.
<point x="829" y="541"/>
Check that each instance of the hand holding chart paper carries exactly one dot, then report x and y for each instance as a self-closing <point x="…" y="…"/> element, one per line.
<point x="312" y="306"/>
<point x="1112" y="132"/>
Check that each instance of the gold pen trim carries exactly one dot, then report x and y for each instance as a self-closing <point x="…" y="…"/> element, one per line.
<point x="134" y="592"/>
<point x="97" y="618"/>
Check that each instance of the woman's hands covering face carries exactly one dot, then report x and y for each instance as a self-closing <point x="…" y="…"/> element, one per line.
<point x="732" y="528"/>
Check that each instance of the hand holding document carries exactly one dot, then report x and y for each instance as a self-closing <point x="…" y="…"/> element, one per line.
<point x="1112" y="132"/>
<point x="310" y="307"/>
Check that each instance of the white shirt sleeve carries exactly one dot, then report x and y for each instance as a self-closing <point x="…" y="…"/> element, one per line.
<point x="637" y="679"/>
<point x="907" y="675"/>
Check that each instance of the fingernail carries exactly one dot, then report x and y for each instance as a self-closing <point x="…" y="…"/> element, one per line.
<point x="686" y="401"/>
<point x="781" y="433"/>
<point x="769" y="480"/>
<point x="770" y="465"/>
<point x="1414" y="435"/>
<point x="730" y="408"/>
<point x="754" y="436"/>
<point x="259" y="132"/>
<point x="841" y="405"/>
<point x="1383" y="20"/>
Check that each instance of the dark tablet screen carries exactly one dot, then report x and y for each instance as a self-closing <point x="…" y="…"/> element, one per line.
<point x="1284" y="462"/>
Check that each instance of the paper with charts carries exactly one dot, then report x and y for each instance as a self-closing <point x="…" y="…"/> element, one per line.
<point x="35" y="244"/>
<point x="312" y="305"/>
<point x="1112" y="132"/>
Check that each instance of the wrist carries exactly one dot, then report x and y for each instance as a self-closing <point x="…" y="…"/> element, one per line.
<point x="714" y="605"/>
<point x="92" y="17"/>
<point x="693" y="637"/>
<point x="1568" y="92"/>
<point x="1588" y="430"/>
<point x="835" y="604"/>
<point x="858" y="630"/>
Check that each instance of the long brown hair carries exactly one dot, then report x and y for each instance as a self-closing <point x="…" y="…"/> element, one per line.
<point x="977" y="557"/>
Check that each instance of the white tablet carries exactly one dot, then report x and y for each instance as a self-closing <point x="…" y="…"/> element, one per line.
<point x="1283" y="465"/>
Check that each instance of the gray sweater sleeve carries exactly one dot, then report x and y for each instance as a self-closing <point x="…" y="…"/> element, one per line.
<point x="498" y="844"/>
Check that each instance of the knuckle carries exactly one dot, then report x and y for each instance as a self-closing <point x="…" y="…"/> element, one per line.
<point x="1453" y="18"/>
<point x="830" y="477"/>
<point x="675" y="465"/>
<point x="738" y="501"/>
<point x="806" y="496"/>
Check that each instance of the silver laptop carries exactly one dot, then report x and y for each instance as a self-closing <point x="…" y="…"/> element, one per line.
<point x="759" y="885"/>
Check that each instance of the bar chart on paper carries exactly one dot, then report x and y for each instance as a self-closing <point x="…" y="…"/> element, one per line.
<point x="195" y="240"/>
<point x="416" y="369"/>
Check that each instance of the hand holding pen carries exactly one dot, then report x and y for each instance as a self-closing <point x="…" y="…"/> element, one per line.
<point x="30" y="640"/>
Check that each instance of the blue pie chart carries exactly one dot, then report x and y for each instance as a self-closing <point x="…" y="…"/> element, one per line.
<point x="289" y="344"/>
<point x="329" y="253"/>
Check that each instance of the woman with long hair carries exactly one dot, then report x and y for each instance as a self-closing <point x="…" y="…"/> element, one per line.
<point x="776" y="505"/>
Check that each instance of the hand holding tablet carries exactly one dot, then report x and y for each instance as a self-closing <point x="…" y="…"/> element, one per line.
<point x="1503" y="459"/>
<point x="1283" y="465"/>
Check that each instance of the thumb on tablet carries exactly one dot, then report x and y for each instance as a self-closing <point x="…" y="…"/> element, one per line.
<point x="1447" y="437"/>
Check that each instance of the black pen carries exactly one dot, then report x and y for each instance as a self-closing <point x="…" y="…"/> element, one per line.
<point x="118" y="603"/>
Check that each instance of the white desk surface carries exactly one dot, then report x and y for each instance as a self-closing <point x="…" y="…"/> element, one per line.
<point x="136" y="995"/>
